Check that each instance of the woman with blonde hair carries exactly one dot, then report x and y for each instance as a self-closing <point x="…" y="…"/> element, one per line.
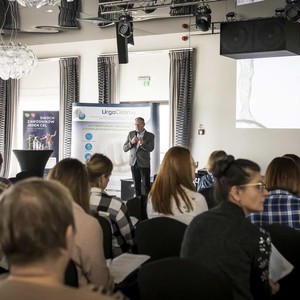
<point x="99" y="169"/>
<point x="173" y="192"/>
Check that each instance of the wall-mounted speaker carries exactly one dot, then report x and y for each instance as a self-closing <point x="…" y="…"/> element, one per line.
<point x="263" y="37"/>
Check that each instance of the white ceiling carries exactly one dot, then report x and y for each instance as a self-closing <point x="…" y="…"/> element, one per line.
<point x="159" y="22"/>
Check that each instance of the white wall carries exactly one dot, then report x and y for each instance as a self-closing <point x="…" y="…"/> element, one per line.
<point x="214" y="96"/>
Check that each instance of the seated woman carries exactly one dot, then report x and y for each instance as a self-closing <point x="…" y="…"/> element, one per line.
<point x="88" y="254"/>
<point x="207" y="180"/>
<point x="222" y="240"/>
<point x="282" y="205"/>
<point x="173" y="192"/>
<point x="99" y="169"/>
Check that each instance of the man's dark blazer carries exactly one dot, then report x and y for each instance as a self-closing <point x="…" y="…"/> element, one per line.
<point x="140" y="154"/>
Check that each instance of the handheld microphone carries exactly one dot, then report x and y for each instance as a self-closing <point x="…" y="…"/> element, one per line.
<point x="135" y="133"/>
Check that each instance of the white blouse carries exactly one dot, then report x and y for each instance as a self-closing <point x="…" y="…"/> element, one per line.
<point x="198" y="202"/>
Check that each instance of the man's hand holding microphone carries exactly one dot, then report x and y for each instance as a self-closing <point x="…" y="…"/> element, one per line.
<point x="136" y="141"/>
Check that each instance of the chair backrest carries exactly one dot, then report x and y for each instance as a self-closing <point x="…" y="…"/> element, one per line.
<point x="160" y="237"/>
<point x="181" y="278"/>
<point x="107" y="235"/>
<point x="287" y="242"/>
<point x="71" y="275"/>
<point x="134" y="206"/>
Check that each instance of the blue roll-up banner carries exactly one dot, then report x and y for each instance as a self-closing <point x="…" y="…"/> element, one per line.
<point x="41" y="132"/>
<point x="103" y="128"/>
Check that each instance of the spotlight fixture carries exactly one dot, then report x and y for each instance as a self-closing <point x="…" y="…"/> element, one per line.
<point x="231" y="16"/>
<point x="125" y="26"/>
<point x="279" y="11"/>
<point x="151" y="9"/>
<point x="203" y="18"/>
<point x="292" y="10"/>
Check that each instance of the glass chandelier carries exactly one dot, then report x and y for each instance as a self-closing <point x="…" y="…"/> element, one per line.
<point x="39" y="3"/>
<point x="16" y="60"/>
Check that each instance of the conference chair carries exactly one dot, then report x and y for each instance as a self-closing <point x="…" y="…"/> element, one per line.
<point x="176" y="278"/>
<point x="107" y="234"/>
<point x="71" y="275"/>
<point x="134" y="206"/>
<point x="160" y="237"/>
<point x="287" y="242"/>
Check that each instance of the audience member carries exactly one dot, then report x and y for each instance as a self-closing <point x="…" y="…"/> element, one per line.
<point x="224" y="241"/>
<point x="282" y="205"/>
<point x="173" y="193"/>
<point x="295" y="157"/>
<point x="37" y="236"/>
<point x="207" y="180"/>
<point x="4" y="182"/>
<point x="99" y="169"/>
<point x="88" y="254"/>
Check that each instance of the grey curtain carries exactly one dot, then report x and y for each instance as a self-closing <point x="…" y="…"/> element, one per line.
<point x="69" y="94"/>
<point x="107" y="72"/>
<point x="9" y="98"/>
<point x="181" y="85"/>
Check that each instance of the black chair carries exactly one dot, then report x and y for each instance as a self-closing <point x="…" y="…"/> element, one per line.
<point x="134" y="206"/>
<point x="107" y="235"/>
<point x="177" y="278"/>
<point x="71" y="275"/>
<point x="287" y="242"/>
<point x="160" y="237"/>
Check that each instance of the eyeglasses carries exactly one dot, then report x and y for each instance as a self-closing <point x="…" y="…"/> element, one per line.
<point x="259" y="185"/>
<point x="195" y="164"/>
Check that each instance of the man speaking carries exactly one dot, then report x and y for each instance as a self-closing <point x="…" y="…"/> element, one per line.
<point x="140" y="142"/>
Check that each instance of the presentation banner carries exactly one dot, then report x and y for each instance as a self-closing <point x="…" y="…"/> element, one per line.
<point x="103" y="128"/>
<point x="41" y="132"/>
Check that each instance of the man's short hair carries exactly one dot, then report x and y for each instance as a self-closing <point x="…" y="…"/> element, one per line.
<point x="34" y="216"/>
<point x="140" y="119"/>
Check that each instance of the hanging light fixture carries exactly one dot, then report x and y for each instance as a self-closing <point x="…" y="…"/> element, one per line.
<point x="125" y="26"/>
<point x="16" y="59"/>
<point x="38" y="3"/>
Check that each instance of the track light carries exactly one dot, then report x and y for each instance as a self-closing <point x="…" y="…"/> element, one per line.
<point x="292" y="10"/>
<point x="125" y="26"/>
<point x="230" y="16"/>
<point x="203" y="18"/>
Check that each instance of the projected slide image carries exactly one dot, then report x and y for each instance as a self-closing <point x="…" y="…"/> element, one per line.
<point x="268" y="93"/>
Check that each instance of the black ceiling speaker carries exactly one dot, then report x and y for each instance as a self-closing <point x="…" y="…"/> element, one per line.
<point x="263" y="37"/>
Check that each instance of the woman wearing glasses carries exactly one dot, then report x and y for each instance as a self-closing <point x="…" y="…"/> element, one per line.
<point x="224" y="241"/>
<point x="173" y="193"/>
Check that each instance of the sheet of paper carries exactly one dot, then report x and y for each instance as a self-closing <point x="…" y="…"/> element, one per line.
<point x="121" y="266"/>
<point x="279" y="266"/>
<point x="134" y="220"/>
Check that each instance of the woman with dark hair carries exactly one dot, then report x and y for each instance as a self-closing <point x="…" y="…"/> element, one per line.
<point x="173" y="193"/>
<point x="282" y="205"/>
<point x="224" y="241"/>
